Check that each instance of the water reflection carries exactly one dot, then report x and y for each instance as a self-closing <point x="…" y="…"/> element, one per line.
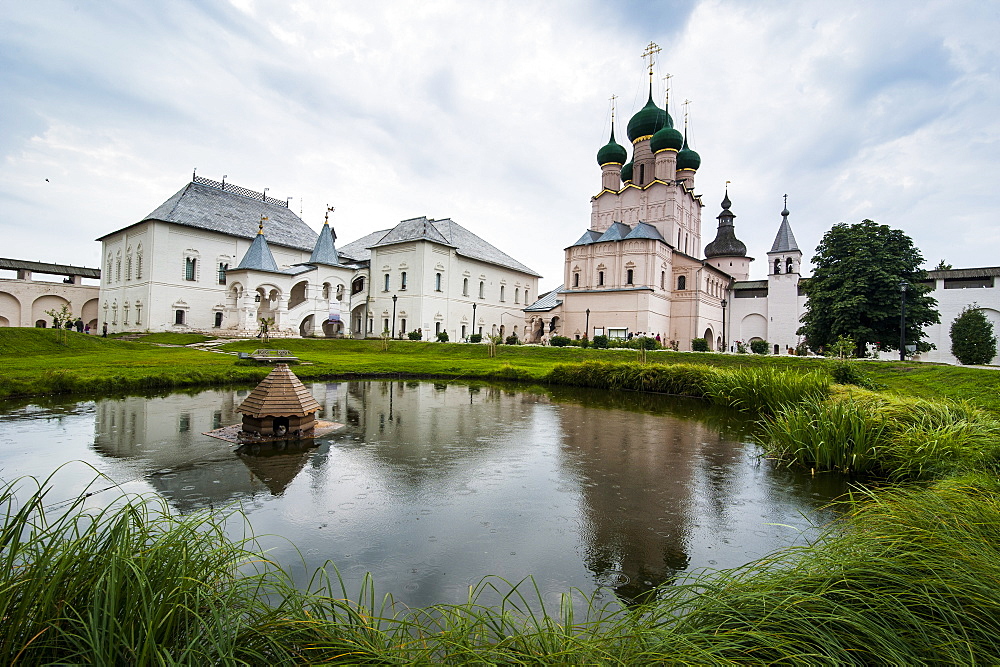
<point x="431" y="486"/>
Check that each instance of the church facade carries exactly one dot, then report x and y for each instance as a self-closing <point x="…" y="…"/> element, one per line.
<point x="218" y="258"/>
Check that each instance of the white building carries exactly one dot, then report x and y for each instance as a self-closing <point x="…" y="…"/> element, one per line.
<point x="218" y="258"/>
<point x="25" y="300"/>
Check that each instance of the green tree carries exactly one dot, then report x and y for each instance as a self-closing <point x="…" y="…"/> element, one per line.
<point x="855" y="289"/>
<point x="972" y="339"/>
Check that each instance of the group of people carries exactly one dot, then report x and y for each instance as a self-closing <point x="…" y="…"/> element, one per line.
<point x="78" y="325"/>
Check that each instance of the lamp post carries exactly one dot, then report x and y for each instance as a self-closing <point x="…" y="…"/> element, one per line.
<point x="394" y="297"/>
<point x="724" y="304"/>
<point x="474" y="317"/>
<point x="902" y="322"/>
<point x="586" y="329"/>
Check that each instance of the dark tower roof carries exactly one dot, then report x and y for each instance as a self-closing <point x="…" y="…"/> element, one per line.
<point x="785" y="240"/>
<point x="258" y="256"/>
<point x="726" y="244"/>
<point x="325" y="250"/>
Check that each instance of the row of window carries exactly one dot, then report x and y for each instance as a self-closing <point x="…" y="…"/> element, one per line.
<point x="125" y="313"/>
<point x="191" y="270"/>
<point x="386" y="286"/>
<point x="630" y="279"/>
<point x="116" y="264"/>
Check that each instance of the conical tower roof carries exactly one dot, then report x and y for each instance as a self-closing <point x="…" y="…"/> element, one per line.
<point x="258" y="256"/>
<point x="325" y="250"/>
<point x="784" y="241"/>
<point x="280" y="394"/>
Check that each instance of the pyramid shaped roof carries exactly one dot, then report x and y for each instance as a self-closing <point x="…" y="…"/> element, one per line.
<point x="325" y="250"/>
<point x="280" y="394"/>
<point x="258" y="256"/>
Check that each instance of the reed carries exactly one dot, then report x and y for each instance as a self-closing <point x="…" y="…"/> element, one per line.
<point x="766" y="390"/>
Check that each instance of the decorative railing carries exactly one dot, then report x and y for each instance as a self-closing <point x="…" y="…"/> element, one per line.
<point x="237" y="190"/>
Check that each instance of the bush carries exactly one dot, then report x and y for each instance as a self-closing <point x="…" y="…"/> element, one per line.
<point x="600" y="342"/>
<point x="512" y="340"/>
<point x="699" y="345"/>
<point x="559" y="341"/>
<point x="442" y="337"/>
<point x="758" y="346"/>
<point x="846" y="372"/>
<point x="476" y="338"/>
<point x="643" y="343"/>
<point x="741" y="347"/>
<point x="414" y="335"/>
<point x="972" y="339"/>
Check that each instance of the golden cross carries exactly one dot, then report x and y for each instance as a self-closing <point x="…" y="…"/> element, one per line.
<point x="650" y="53"/>
<point x="687" y="104"/>
<point x="612" y="99"/>
<point x="786" y="201"/>
<point x="260" y="230"/>
<point x="666" y="86"/>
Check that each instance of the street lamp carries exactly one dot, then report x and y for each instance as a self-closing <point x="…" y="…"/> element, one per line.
<point x="474" y="317"/>
<point x="724" y="304"/>
<point x="586" y="329"/>
<point x="393" y="332"/>
<point x="902" y="322"/>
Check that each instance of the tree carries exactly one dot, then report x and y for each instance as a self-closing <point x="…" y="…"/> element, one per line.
<point x="972" y="339"/>
<point x="855" y="289"/>
<point x="942" y="266"/>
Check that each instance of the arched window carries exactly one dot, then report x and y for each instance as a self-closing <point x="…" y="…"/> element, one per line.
<point x="576" y="280"/>
<point x="437" y="328"/>
<point x="138" y="263"/>
<point x="501" y="292"/>
<point x="402" y="280"/>
<point x="663" y="280"/>
<point x="788" y="265"/>
<point x="218" y="320"/>
<point x="128" y="267"/>
<point x="600" y="277"/>
<point x="642" y="174"/>
<point x="681" y="282"/>
<point x="465" y="287"/>
<point x="190" y="263"/>
<point x="777" y="266"/>
<point x="118" y="268"/>
<point x="628" y="277"/>
<point x="526" y="296"/>
<point x="437" y="282"/>
<point x="222" y="273"/>
<point x="385" y="288"/>
<point x="517" y="295"/>
<point x="482" y="289"/>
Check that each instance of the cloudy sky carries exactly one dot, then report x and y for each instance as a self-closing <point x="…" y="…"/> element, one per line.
<point x="491" y="113"/>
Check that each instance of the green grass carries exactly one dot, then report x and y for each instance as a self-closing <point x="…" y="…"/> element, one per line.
<point x="170" y="338"/>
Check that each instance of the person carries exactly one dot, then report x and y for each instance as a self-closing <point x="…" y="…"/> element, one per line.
<point x="79" y="325"/>
<point x="86" y="329"/>
<point x="104" y="331"/>
<point x="658" y="341"/>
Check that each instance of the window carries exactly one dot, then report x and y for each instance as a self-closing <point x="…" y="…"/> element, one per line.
<point x="138" y="264"/>
<point x="128" y="267"/>
<point x="118" y="269"/>
<point x="385" y="324"/>
<point x="600" y="277"/>
<point x="125" y="314"/>
<point x="628" y="277"/>
<point x="501" y="292"/>
<point x="371" y="325"/>
<point x="437" y="282"/>
<point x="663" y="280"/>
<point x="788" y="265"/>
<point x="222" y="273"/>
<point x="138" y="312"/>
<point x="402" y="280"/>
<point x="682" y="282"/>
<point x="463" y="331"/>
<point x="642" y="173"/>
<point x="517" y="295"/>
<point x="358" y="285"/>
<point x="465" y="287"/>
<point x="777" y="266"/>
<point x="437" y="328"/>
<point x="218" y="320"/>
<point x="526" y="295"/>
<point x="385" y="288"/>
<point x="482" y="289"/>
<point x="190" y="263"/>
<point x="402" y="326"/>
<point x="576" y="280"/>
<point x="178" y="317"/>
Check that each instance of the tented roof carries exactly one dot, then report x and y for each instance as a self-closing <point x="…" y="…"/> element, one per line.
<point x="280" y="394"/>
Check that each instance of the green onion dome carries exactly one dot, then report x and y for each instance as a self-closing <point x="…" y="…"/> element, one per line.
<point x="647" y="120"/>
<point x="612" y="152"/>
<point x="687" y="158"/>
<point x="666" y="137"/>
<point x="627" y="172"/>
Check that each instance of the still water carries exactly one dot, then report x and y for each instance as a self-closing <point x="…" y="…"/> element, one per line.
<point x="432" y="486"/>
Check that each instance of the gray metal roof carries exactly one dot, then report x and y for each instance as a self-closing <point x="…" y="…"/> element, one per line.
<point x="547" y="301"/>
<point x="616" y="232"/>
<point x="413" y="229"/>
<point x="645" y="230"/>
<point x="325" y="250"/>
<point x="258" y="257"/>
<point x="205" y="207"/>
<point x="984" y="272"/>
<point x="589" y="236"/>
<point x="469" y="245"/>
<point x="53" y="269"/>
<point x="785" y="240"/>
<point x="358" y="251"/>
<point x="749" y="284"/>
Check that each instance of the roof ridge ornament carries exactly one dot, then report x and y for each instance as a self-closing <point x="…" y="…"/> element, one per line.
<point x="260" y="228"/>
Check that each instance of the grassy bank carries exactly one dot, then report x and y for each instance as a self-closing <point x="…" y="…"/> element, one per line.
<point x="911" y="577"/>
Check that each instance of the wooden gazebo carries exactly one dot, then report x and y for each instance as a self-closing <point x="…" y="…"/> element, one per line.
<point x="279" y="405"/>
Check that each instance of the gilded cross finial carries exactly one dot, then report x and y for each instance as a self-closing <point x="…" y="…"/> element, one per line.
<point x="329" y="210"/>
<point x="260" y="229"/>
<point x="786" y="201"/>
<point x="666" y="94"/>
<point x="612" y="99"/>
<point x="650" y="53"/>
<point x="687" y="107"/>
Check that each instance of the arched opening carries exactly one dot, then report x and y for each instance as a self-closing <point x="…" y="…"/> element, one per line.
<point x="777" y="266"/>
<point x="4" y="322"/>
<point x="788" y="265"/>
<point x="554" y="324"/>
<point x="306" y="326"/>
<point x="776" y="348"/>
<point x="710" y="339"/>
<point x="218" y="320"/>
<point x="10" y="305"/>
<point x="41" y="324"/>
<point x="628" y="276"/>
<point x="298" y="293"/>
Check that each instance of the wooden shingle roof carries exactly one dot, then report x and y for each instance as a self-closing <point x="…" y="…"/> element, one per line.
<point x="280" y="394"/>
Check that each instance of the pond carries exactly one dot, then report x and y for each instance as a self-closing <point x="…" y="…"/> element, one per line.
<point x="432" y="486"/>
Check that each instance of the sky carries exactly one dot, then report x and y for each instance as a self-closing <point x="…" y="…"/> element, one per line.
<point x="491" y="113"/>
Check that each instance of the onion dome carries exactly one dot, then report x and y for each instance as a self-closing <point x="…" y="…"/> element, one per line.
<point x="647" y="120"/>
<point x="726" y="244"/>
<point x="666" y="138"/>
<point x="612" y="152"/>
<point x="687" y="158"/>
<point x="627" y="172"/>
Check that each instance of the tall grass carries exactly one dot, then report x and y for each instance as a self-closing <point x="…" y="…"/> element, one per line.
<point x="900" y="438"/>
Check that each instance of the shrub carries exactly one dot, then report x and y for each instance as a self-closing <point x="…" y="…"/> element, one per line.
<point x="972" y="339"/>
<point x="559" y="341"/>
<point x="600" y="342"/>
<point x="512" y="340"/>
<point x="475" y="338"/>
<point x="758" y="346"/>
<point x="699" y="345"/>
<point x="414" y="335"/>
<point x="643" y="343"/>
<point x="442" y="337"/>
<point x="741" y="347"/>
<point x="766" y="390"/>
<point x="847" y="372"/>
